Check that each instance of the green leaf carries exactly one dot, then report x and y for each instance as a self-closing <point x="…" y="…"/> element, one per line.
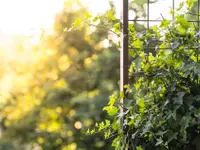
<point x="137" y="43"/>
<point x="139" y="148"/>
<point x="112" y="100"/>
<point x="172" y="136"/>
<point x="141" y="103"/>
<point x="140" y="2"/>
<point x="77" y="22"/>
<point x="88" y="15"/>
<point x="95" y="19"/>
<point x="185" y="122"/>
<point x="181" y="30"/>
<point x="107" y="134"/>
<point x="88" y="131"/>
<point x="159" y="141"/>
<point x="134" y="134"/>
<point x="111" y="110"/>
<point x="121" y="95"/>
<point x="179" y="98"/>
<point x="110" y="15"/>
<point x="175" y="44"/>
<point x="138" y="61"/>
<point x="131" y="27"/>
<point x="155" y="28"/>
<point x="165" y="23"/>
<point x="161" y="133"/>
<point x="146" y="128"/>
<point x="173" y="114"/>
<point x="187" y="68"/>
<point x="182" y="21"/>
<point x="190" y="3"/>
<point x="180" y="6"/>
<point x="117" y="27"/>
<point x="92" y="131"/>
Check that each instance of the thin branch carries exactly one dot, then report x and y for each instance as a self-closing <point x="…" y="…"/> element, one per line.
<point x="167" y="27"/>
<point x="192" y="14"/>
<point x="112" y="136"/>
<point x="141" y="74"/>
<point x="103" y="27"/>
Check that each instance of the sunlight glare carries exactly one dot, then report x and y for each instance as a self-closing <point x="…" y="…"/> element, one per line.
<point x="21" y="16"/>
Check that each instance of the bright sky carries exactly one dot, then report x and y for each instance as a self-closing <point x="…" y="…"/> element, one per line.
<point x="22" y="16"/>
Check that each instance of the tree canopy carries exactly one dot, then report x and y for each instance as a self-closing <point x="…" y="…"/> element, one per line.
<point x="59" y="88"/>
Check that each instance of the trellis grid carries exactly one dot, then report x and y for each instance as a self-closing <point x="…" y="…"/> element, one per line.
<point x="125" y="20"/>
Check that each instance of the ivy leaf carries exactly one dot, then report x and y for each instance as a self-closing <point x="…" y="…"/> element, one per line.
<point x="180" y="6"/>
<point x="134" y="134"/>
<point x="141" y="103"/>
<point x="179" y="99"/>
<point x="128" y="103"/>
<point x="78" y="24"/>
<point x="95" y="19"/>
<point x="111" y="110"/>
<point x="182" y="21"/>
<point x="137" y="43"/>
<point x="181" y="30"/>
<point x="112" y="100"/>
<point x="140" y="2"/>
<point x="187" y="68"/>
<point x="175" y="44"/>
<point x="88" y="15"/>
<point x="107" y="134"/>
<point x="92" y="131"/>
<point x="173" y="114"/>
<point x="165" y="23"/>
<point x="110" y="15"/>
<point x="172" y="136"/>
<point x="138" y="61"/>
<point x="155" y="28"/>
<point x="139" y="148"/>
<point x="185" y="122"/>
<point x="159" y="141"/>
<point x="159" y="88"/>
<point x="161" y="133"/>
<point x="146" y="128"/>
<point x="190" y="3"/>
<point x="131" y="27"/>
<point x="121" y="95"/>
<point x="132" y="53"/>
<point x="117" y="27"/>
<point x="88" y="131"/>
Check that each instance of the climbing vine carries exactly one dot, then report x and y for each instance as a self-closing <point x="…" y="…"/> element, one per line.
<point x="162" y="106"/>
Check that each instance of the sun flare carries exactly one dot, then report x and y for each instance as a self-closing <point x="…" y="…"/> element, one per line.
<point x="22" y="16"/>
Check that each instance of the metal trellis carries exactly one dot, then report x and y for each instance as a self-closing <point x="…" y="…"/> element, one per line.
<point x="124" y="61"/>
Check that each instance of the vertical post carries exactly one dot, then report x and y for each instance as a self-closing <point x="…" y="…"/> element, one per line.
<point x="123" y="49"/>
<point x="198" y="13"/>
<point x="148" y="13"/>
<point x="173" y="7"/>
<point x="198" y="23"/>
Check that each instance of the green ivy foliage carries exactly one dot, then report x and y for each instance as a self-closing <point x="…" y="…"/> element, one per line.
<point x="161" y="107"/>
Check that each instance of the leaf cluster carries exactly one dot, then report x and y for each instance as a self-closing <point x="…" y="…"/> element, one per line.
<point x="161" y="103"/>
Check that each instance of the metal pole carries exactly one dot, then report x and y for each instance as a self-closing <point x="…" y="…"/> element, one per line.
<point x="173" y="7"/>
<point x="148" y="13"/>
<point x="198" y="14"/>
<point x="123" y="51"/>
<point x="124" y="46"/>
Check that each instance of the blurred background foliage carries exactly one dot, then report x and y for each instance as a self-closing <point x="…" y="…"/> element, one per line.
<point x="53" y="91"/>
<point x="59" y="88"/>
